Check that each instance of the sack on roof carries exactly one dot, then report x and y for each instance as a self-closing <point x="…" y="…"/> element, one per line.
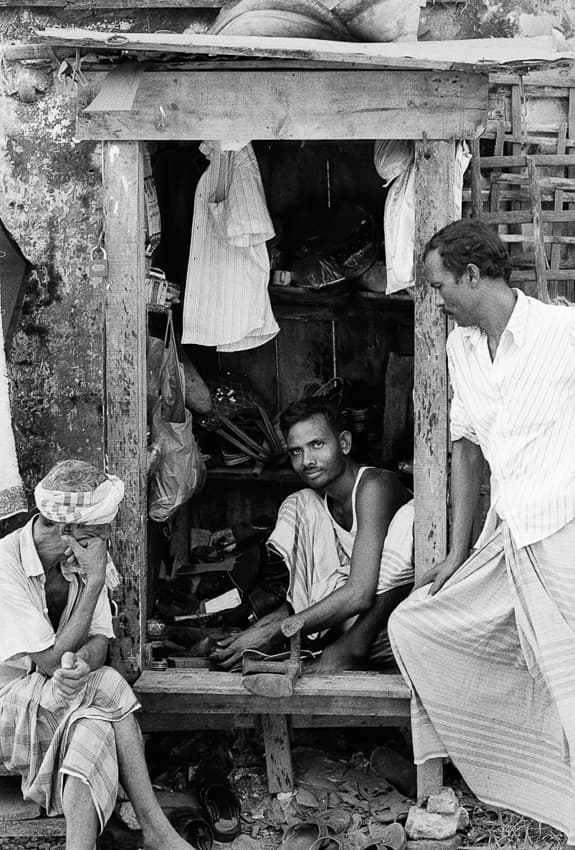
<point x="281" y="18"/>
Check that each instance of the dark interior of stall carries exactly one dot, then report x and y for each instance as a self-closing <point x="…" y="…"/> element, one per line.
<point x="340" y="336"/>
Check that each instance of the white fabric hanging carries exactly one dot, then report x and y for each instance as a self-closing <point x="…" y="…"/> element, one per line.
<point x="226" y="302"/>
<point x="12" y="497"/>
<point x="394" y="162"/>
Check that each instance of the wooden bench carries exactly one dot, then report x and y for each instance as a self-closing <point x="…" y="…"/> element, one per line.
<point x="204" y="699"/>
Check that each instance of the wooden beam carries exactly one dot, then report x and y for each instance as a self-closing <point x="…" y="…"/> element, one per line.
<point x="278" y="753"/>
<point x="125" y="390"/>
<point x="119" y="89"/>
<point x="78" y="5"/>
<point x="434" y="164"/>
<point x="206" y="693"/>
<point x="479" y="54"/>
<point x="297" y="105"/>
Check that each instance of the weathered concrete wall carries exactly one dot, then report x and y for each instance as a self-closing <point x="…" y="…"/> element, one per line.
<point x="51" y="203"/>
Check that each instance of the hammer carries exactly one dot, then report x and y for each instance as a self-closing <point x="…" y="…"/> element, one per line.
<point x="276" y="678"/>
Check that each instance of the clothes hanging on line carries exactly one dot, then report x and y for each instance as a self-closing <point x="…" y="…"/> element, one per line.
<point x="226" y="302"/>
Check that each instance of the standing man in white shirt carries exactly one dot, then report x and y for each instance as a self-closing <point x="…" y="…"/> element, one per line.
<point x="487" y="642"/>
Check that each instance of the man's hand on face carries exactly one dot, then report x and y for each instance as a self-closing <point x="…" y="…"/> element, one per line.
<point x="89" y="557"/>
<point x="70" y="678"/>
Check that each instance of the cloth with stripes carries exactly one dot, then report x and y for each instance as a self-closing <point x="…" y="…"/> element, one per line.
<point x="44" y="739"/>
<point x="489" y="660"/>
<point x="305" y="537"/>
<point x="520" y="408"/>
<point x="226" y="301"/>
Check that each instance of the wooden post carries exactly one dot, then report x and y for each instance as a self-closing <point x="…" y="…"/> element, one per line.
<point x="125" y="388"/>
<point x="434" y="164"/>
<point x="278" y="752"/>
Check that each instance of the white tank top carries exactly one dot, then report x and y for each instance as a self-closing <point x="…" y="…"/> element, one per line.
<point x="345" y="537"/>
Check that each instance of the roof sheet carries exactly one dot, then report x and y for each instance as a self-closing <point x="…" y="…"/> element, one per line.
<point x="481" y="54"/>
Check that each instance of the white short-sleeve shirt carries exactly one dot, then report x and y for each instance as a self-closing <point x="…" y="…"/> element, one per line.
<point x="520" y="409"/>
<point x="26" y="626"/>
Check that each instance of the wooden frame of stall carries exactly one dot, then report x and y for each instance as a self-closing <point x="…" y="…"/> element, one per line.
<point x="269" y="101"/>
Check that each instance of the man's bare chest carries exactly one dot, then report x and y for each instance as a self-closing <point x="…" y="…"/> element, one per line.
<point x="56" y="589"/>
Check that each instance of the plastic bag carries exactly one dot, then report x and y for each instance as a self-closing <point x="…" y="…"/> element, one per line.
<point x="180" y="472"/>
<point x="165" y="375"/>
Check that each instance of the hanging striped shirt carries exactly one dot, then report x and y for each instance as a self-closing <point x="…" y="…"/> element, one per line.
<point x="520" y="409"/>
<point x="226" y="302"/>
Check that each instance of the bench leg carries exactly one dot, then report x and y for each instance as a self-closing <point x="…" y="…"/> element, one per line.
<point x="429" y="777"/>
<point x="278" y="752"/>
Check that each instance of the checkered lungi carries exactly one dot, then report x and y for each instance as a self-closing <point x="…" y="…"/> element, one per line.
<point x="44" y="745"/>
<point x="491" y="663"/>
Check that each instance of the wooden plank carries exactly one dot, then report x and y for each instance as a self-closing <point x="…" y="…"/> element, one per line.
<point x="125" y="396"/>
<point x="304" y="356"/>
<point x="118" y="89"/>
<point x="297" y="105"/>
<point x="476" y="192"/>
<point x="544" y="183"/>
<point x="302" y="703"/>
<point x="208" y="692"/>
<point x="552" y="78"/>
<point x="429" y="777"/>
<point x="79" y="5"/>
<point x="558" y="201"/>
<point x="165" y="722"/>
<point x="482" y="55"/>
<point x="278" y="753"/>
<point x="524" y="216"/>
<point x="537" y="159"/>
<point x="434" y="165"/>
<point x="540" y="257"/>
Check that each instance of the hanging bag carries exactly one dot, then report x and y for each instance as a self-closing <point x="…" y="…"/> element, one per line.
<point x="180" y="471"/>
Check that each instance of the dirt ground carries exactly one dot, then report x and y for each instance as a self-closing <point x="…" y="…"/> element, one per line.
<point x="360" y="780"/>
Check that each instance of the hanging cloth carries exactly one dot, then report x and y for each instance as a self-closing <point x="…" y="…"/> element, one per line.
<point x="226" y="302"/>
<point x="12" y="498"/>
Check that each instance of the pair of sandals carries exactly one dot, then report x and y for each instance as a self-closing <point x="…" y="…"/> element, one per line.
<point x="216" y="817"/>
<point x="320" y="835"/>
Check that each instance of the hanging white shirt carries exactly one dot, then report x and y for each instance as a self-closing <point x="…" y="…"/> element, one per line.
<point x="520" y="409"/>
<point x="226" y="302"/>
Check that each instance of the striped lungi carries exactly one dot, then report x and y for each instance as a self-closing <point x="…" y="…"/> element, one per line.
<point x="44" y="745"/>
<point x="490" y="660"/>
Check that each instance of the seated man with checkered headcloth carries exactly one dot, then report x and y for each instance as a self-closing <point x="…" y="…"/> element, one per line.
<point x="67" y="721"/>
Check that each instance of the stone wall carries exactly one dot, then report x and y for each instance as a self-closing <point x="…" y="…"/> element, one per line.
<point x="51" y="204"/>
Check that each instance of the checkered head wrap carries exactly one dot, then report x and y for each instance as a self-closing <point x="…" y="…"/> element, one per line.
<point x="89" y="507"/>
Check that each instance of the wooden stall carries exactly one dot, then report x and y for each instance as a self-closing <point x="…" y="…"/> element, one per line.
<point x="190" y="88"/>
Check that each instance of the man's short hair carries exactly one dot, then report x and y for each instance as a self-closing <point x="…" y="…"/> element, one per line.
<point x="305" y="408"/>
<point x="74" y="476"/>
<point x="471" y="241"/>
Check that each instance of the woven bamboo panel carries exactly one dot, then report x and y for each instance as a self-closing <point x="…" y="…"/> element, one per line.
<point x="523" y="181"/>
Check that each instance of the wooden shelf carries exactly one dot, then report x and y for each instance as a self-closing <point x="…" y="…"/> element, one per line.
<point x="317" y="304"/>
<point x="246" y="473"/>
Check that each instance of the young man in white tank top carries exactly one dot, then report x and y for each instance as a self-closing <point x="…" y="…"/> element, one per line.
<point x="347" y="540"/>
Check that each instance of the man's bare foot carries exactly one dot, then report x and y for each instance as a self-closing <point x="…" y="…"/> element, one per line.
<point x="333" y="661"/>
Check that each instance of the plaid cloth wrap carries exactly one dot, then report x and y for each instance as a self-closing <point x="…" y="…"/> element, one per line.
<point x="94" y="507"/>
<point x="43" y="744"/>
